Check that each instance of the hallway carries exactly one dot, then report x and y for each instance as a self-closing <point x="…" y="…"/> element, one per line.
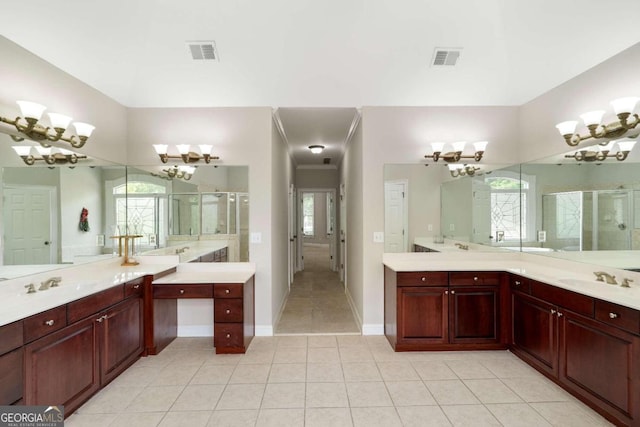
<point x="317" y="303"/>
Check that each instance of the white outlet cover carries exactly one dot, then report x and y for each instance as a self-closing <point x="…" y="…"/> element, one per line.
<point x="429" y="227"/>
<point x="378" y="236"/>
<point x="256" y="237"/>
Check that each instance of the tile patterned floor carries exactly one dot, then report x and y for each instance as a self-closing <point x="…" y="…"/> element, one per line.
<point x="317" y="302"/>
<point x="342" y="380"/>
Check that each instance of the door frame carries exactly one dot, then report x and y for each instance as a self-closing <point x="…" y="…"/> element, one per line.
<point x="332" y="239"/>
<point x="342" y="226"/>
<point x="405" y="208"/>
<point x="56" y="246"/>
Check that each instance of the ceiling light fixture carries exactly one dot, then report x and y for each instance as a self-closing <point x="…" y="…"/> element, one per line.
<point x="457" y="170"/>
<point x="185" y="153"/>
<point x="623" y="109"/>
<point x="29" y="126"/>
<point x="455" y="155"/>
<point x="47" y="155"/>
<point x="316" y="149"/>
<point x="599" y="153"/>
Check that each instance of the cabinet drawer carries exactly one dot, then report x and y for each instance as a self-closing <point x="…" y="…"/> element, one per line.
<point x="228" y="335"/>
<point x="11" y="336"/>
<point x="133" y="288"/>
<point x="228" y="310"/>
<point x="575" y="302"/>
<point x="227" y="290"/>
<point x="44" y="323"/>
<point x="468" y="278"/>
<point x="92" y="304"/>
<point x="11" y="377"/>
<point x="616" y="315"/>
<point x="423" y="278"/>
<point x="183" y="291"/>
<point x="521" y="284"/>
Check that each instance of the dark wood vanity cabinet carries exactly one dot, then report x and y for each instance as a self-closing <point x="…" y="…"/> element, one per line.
<point x="588" y="349"/>
<point x="442" y="310"/>
<point x="67" y="366"/>
<point x="11" y="363"/>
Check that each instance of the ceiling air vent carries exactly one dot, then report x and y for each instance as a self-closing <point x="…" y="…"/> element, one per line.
<point x="326" y="161"/>
<point x="445" y="56"/>
<point x="203" y="51"/>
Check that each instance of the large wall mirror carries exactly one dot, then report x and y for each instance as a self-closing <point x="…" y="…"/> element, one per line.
<point x="209" y="207"/>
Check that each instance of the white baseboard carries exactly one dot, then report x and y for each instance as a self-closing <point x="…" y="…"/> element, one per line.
<point x="264" y="331"/>
<point x="373" y="329"/>
<point x="353" y="309"/>
<point x="195" y="331"/>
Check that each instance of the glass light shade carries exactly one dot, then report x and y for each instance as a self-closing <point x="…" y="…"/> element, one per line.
<point x="83" y="129"/>
<point x="567" y="128"/>
<point x="183" y="148"/>
<point x="626" y="144"/>
<point x="66" y="152"/>
<point x="437" y="147"/>
<point x="480" y="145"/>
<point x="316" y="149"/>
<point x="31" y="110"/>
<point x="22" y="150"/>
<point x="43" y="151"/>
<point x="459" y="146"/>
<point x="161" y="148"/>
<point x="205" y="148"/>
<point x="454" y="166"/>
<point x="624" y="105"/>
<point x="592" y="117"/>
<point x="607" y="147"/>
<point x="59" y="120"/>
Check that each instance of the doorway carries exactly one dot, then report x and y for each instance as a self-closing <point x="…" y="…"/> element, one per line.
<point x="28" y="235"/>
<point x="396" y="217"/>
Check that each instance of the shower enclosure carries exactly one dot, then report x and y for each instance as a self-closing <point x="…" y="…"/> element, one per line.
<point x="588" y="220"/>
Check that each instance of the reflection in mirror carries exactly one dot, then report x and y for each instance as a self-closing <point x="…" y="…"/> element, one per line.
<point x="43" y="225"/>
<point x="209" y="208"/>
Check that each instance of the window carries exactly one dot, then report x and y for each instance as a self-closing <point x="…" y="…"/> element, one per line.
<point x="307" y="214"/>
<point x="512" y="206"/>
<point x="140" y="209"/>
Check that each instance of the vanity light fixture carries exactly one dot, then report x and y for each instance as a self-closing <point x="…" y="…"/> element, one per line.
<point x="29" y="125"/>
<point x="455" y="155"/>
<point x="599" y="153"/>
<point x="179" y="172"/>
<point x="457" y="170"/>
<point x="623" y="109"/>
<point x="185" y="153"/>
<point x="49" y="155"/>
<point x="316" y="149"/>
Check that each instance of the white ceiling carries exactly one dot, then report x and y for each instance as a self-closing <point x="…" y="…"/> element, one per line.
<point x="330" y="53"/>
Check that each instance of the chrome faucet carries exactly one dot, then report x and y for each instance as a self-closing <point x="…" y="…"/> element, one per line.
<point x="51" y="282"/>
<point x="601" y="276"/>
<point x="626" y="282"/>
<point x="181" y="250"/>
<point x="463" y="247"/>
<point x="31" y="289"/>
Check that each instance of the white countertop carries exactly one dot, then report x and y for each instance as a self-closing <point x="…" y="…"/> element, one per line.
<point x="234" y="272"/>
<point x="573" y="276"/>
<point x="195" y="249"/>
<point x="77" y="282"/>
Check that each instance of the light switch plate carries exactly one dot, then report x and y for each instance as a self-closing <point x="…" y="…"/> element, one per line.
<point x="378" y="236"/>
<point x="429" y="227"/>
<point x="542" y="236"/>
<point x="256" y="237"/>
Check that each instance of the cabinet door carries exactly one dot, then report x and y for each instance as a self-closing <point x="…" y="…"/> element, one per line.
<point x="601" y="361"/>
<point x="474" y="314"/>
<point x="121" y="340"/>
<point x="535" y="332"/>
<point x="422" y="315"/>
<point x="11" y="377"/>
<point x="62" y="368"/>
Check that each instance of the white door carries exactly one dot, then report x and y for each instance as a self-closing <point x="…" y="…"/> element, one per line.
<point x="292" y="234"/>
<point x="481" y="215"/>
<point x="27" y="226"/>
<point x="331" y="221"/>
<point x="395" y="217"/>
<point x="343" y="235"/>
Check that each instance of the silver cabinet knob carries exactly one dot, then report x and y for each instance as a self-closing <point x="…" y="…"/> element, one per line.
<point x="136" y="286"/>
<point x="475" y="278"/>
<point x="49" y="322"/>
<point x="517" y="283"/>
<point x="613" y="315"/>
<point x="446" y="292"/>
<point x="228" y="335"/>
<point x="560" y="314"/>
<point x="228" y="311"/>
<point x="424" y="279"/>
<point x="226" y="291"/>
<point x="453" y="292"/>
<point x="181" y="291"/>
<point x="553" y="311"/>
